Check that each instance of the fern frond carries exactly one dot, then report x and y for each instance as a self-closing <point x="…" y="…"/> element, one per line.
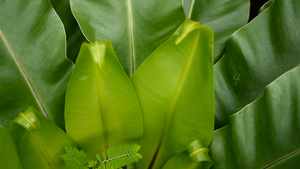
<point x="122" y="155"/>
<point x="75" y="159"/>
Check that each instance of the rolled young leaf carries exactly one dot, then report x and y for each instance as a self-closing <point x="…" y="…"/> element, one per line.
<point x="101" y="106"/>
<point x="134" y="27"/>
<point x="39" y="142"/>
<point x="196" y="157"/>
<point x="33" y="66"/>
<point x="255" y="56"/>
<point x="223" y="17"/>
<point x="9" y="156"/>
<point x="265" y="132"/>
<point x="175" y="91"/>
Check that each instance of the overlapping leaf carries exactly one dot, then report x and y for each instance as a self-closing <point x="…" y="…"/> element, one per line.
<point x="33" y="66"/>
<point x="256" y="55"/>
<point x="74" y="36"/>
<point x="101" y="106"/>
<point x="39" y="142"/>
<point x="223" y="17"/>
<point x="175" y="90"/>
<point x="266" y="132"/>
<point x="134" y="27"/>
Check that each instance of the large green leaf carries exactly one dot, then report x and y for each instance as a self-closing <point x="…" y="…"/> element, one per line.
<point x="175" y="90"/>
<point x="265" y="131"/>
<point x="101" y="106"/>
<point x="34" y="69"/>
<point x="134" y="27"/>
<point x="39" y="142"/>
<point x="224" y="17"/>
<point x="256" y="55"/>
<point x="74" y="36"/>
<point x="9" y="157"/>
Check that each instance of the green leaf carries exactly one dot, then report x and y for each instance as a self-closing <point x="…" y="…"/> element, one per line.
<point x="175" y="90"/>
<point x="34" y="69"/>
<point x="75" y="159"/>
<point x="223" y="17"/>
<point x="265" y="131"/>
<point x="255" y="56"/>
<point x="101" y="106"/>
<point x="74" y="36"/>
<point x="39" y="142"/>
<point x="9" y="156"/>
<point x="134" y="27"/>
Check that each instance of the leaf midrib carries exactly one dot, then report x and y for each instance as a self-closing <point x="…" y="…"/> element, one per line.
<point x="282" y="159"/>
<point x="23" y="72"/>
<point x="43" y="151"/>
<point x="100" y="95"/>
<point x="181" y="82"/>
<point x="191" y="9"/>
<point x="78" y="162"/>
<point x="131" y="39"/>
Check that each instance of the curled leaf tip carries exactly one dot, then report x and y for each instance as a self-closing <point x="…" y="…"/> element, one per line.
<point x="199" y="153"/>
<point x="188" y="27"/>
<point x="28" y="120"/>
<point x="98" y="50"/>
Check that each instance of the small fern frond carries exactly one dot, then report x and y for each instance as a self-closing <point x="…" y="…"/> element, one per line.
<point x="122" y="155"/>
<point x="75" y="159"/>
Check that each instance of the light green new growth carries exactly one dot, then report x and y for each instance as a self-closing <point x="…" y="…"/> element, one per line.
<point x="115" y="158"/>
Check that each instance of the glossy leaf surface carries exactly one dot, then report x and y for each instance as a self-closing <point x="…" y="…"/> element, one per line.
<point x="134" y="27"/>
<point x="39" y="142"/>
<point x="223" y="17"/>
<point x="175" y="90"/>
<point x="101" y="106"/>
<point x="33" y="66"/>
<point x="265" y="131"/>
<point x="9" y="156"/>
<point x="255" y="56"/>
<point x="74" y="36"/>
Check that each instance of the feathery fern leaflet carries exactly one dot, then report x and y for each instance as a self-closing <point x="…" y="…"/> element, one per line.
<point x="114" y="158"/>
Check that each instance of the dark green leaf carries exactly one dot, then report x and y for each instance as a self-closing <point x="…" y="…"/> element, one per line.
<point x="34" y="69"/>
<point x="223" y="16"/>
<point x="265" y="131"/>
<point x="74" y="36"/>
<point x="135" y="27"/>
<point x="255" y="56"/>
